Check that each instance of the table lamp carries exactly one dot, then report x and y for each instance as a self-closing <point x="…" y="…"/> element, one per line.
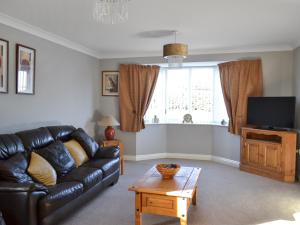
<point x="108" y="122"/>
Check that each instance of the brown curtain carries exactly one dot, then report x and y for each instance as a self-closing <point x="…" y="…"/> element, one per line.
<point x="239" y="80"/>
<point x="137" y="83"/>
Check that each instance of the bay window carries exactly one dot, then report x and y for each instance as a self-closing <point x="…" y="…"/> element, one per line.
<point x="194" y="90"/>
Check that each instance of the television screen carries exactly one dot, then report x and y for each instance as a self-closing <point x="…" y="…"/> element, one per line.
<point x="271" y="112"/>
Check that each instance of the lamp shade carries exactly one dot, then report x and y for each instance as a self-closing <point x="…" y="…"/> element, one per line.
<point x="175" y="49"/>
<point x="108" y="121"/>
<point x="175" y="53"/>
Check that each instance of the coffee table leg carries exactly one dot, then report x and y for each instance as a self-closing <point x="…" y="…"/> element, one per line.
<point x="183" y="220"/>
<point x="194" y="199"/>
<point x="138" y="208"/>
<point x="183" y="207"/>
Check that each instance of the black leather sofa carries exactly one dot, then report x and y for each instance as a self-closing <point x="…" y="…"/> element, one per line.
<point x="31" y="203"/>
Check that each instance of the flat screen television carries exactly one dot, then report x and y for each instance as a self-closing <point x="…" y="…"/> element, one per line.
<point x="271" y="112"/>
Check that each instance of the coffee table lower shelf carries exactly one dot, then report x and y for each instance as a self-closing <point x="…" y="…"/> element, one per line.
<point x="163" y="205"/>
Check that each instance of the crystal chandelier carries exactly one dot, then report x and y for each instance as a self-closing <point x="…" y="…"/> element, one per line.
<point x="111" y="11"/>
<point x="175" y="53"/>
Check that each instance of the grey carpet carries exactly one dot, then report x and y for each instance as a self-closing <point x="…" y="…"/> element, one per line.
<point x="227" y="196"/>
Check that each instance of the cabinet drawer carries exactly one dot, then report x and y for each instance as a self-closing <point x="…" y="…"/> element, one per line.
<point x="159" y="204"/>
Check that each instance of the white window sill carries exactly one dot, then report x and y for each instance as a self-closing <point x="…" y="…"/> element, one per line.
<point x="188" y="124"/>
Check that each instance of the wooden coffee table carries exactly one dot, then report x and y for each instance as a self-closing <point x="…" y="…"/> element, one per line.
<point x="172" y="197"/>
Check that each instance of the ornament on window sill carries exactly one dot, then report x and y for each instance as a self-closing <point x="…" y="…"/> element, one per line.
<point x="223" y="122"/>
<point x="155" y="119"/>
<point x="187" y="118"/>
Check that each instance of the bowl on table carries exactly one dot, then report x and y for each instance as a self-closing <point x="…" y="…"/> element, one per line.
<point x="168" y="171"/>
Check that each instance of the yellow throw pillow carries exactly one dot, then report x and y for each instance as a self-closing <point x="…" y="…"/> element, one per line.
<point x="41" y="170"/>
<point x="77" y="152"/>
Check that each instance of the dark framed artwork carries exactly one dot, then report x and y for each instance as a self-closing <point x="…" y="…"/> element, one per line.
<point x="110" y="83"/>
<point x="4" y="57"/>
<point x="25" y="70"/>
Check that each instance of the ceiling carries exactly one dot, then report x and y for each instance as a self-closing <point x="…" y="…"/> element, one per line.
<point x="207" y="26"/>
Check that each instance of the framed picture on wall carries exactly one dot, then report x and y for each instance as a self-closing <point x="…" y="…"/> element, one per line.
<point x="4" y="66"/>
<point x="25" y="70"/>
<point x="110" y="83"/>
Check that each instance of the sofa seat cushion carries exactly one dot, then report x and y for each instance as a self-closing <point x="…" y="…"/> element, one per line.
<point x="85" y="175"/>
<point x="58" y="196"/>
<point x="108" y="166"/>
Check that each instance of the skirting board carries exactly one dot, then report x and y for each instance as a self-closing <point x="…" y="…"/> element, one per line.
<point x="225" y="161"/>
<point x="218" y="159"/>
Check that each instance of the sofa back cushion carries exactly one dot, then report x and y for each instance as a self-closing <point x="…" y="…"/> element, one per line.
<point x="36" y="138"/>
<point x="58" y="156"/>
<point x="10" y="144"/>
<point x="87" y="142"/>
<point x="62" y="133"/>
<point x="14" y="169"/>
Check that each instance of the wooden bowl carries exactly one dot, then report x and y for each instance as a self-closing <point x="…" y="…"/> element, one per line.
<point x="168" y="171"/>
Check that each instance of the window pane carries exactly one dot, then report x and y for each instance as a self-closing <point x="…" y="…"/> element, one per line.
<point x="202" y="94"/>
<point x="220" y="112"/>
<point x="177" y="94"/>
<point x="157" y="105"/>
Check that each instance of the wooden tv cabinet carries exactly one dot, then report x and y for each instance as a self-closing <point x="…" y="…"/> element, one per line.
<point x="269" y="153"/>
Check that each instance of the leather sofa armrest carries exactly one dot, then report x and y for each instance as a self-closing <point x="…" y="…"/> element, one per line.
<point x="19" y="187"/>
<point x="108" y="152"/>
<point x="19" y="202"/>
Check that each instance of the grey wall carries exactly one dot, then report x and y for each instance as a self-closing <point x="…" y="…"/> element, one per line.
<point x="297" y="94"/>
<point x="225" y="144"/>
<point x="297" y="84"/>
<point x="66" y="89"/>
<point x="200" y="139"/>
<point x="152" y="140"/>
<point x="189" y="139"/>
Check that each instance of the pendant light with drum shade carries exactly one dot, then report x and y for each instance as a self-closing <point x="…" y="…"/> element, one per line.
<point x="108" y="122"/>
<point x="175" y="53"/>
